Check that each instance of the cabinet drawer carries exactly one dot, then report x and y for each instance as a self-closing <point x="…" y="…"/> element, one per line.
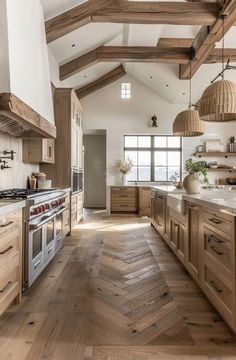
<point x="123" y="206"/>
<point x="219" y="248"/>
<point x="217" y="289"/>
<point x="8" y="224"/>
<point x="131" y="191"/>
<point x="217" y="222"/>
<point x="9" y="245"/>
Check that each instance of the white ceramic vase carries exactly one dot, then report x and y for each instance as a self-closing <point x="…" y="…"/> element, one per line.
<point x="124" y="179"/>
<point x="192" y="184"/>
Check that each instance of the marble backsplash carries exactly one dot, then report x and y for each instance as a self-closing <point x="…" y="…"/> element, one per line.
<point x="15" y="176"/>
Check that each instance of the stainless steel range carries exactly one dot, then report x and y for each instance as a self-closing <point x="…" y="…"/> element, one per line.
<point x="46" y="219"/>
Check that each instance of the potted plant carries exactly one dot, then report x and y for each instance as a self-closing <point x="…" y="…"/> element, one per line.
<point x="192" y="182"/>
<point x="124" y="167"/>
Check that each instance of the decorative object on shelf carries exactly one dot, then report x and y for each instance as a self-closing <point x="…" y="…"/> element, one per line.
<point x="214" y="146"/>
<point x="192" y="182"/>
<point x="232" y="144"/>
<point x="218" y="102"/>
<point x="124" y="167"/>
<point x="154" y="121"/>
<point x="187" y="123"/>
<point x="200" y="148"/>
<point x="231" y="180"/>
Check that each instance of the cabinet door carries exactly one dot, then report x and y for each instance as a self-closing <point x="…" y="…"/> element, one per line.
<point x="193" y="247"/>
<point x="173" y="234"/>
<point x="80" y="150"/>
<point x="74" y="146"/>
<point x="48" y="151"/>
<point x="144" y="201"/>
<point x="181" y="233"/>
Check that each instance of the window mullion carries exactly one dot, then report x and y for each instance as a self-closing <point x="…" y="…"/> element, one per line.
<point x="152" y="159"/>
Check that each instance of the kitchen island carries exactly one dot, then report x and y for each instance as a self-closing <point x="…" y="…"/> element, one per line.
<point x="200" y="230"/>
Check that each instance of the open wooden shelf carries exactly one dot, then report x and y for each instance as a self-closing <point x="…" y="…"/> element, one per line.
<point x="222" y="169"/>
<point x="215" y="154"/>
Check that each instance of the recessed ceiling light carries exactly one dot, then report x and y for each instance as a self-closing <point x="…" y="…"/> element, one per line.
<point x="73" y="45"/>
<point x="85" y="76"/>
<point x="151" y="77"/>
<point x="183" y="93"/>
<point x="167" y="85"/>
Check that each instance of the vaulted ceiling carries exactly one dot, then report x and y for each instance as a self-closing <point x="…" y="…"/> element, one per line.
<point x="91" y="41"/>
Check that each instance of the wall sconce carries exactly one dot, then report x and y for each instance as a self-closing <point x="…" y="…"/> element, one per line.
<point x="154" y="121"/>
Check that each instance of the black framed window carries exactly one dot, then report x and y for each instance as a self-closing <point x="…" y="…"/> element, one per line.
<point x="155" y="158"/>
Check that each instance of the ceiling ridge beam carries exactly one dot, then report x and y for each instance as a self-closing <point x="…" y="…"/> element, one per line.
<point x="73" y="19"/>
<point x="135" y="12"/>
<point x="207" y="38"/>
<point x="149" y="54"/>
<point x="175" y="13"/>
<point x="104" y="80"/>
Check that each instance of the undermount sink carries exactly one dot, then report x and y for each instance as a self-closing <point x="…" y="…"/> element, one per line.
<point x="176" y="203"/>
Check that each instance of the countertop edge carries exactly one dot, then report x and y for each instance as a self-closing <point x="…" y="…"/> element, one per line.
<point x="11" y="207"/>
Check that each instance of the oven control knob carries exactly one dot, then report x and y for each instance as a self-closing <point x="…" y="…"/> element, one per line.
<point x="47" y="206"/>
<point x="39" y="210"/>
<point x="34" y="212"/>
<point x="43" y="208"/>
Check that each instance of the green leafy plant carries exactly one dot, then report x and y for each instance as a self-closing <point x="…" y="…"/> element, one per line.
<point x="198" y="168"/>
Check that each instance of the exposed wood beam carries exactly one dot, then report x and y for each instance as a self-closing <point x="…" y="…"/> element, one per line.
<point x="216" y="56"/>
<point x="175" y="42"/>
<point x="141" y="12"/>
<point x="133" y="12"/>
<point x="73" y="18"/>
<point x="150" y="54"/>
<point x="105" y="80"/>
<point x="78" y="64"/>
<point x="207" y="38"/>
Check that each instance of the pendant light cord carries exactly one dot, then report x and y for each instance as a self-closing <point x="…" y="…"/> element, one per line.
<point x="190" y="88"/>
<point x="223" y="47"/>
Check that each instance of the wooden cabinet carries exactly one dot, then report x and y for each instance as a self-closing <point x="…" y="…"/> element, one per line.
<point x="193" y="241"/>
<point x="144" y="201"/>
<point x="219" y="262"/>
<point x="124" y="199"/>
<point x="177" y="235"/>
<point x="68" y="144"/>
<point x="10" y="259"/>
<point x="160" y="214"/>
<point x="76" y="208"/>
<point x="38" y="151"/>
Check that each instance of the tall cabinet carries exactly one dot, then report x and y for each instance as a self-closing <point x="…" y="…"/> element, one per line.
<point x="68" y="147"/>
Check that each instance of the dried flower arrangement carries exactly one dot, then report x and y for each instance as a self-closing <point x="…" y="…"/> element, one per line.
<point x="124" y="166"/>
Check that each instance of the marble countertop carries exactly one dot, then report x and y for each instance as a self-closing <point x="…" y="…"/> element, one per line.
<point x="220" y="199"/>
<point x="8" y="206"/>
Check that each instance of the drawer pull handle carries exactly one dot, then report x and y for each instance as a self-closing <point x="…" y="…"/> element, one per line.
<point x="215" y="221"/>
<point x="7" y="224"/>
<point x="213" y="238"/>
<point x="37" y="265"/>
<point x="6" y="287"/>
<point x="213" y="284"/>
<point x="216" y="250"/>
<point x="5" y="251"/>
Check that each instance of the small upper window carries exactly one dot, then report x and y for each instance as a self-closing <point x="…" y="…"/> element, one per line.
<point x="125" y="91"/>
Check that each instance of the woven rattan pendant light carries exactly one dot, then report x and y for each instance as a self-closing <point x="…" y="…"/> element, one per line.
<point x="218" y="101"/>
<point x="187" y="123"/>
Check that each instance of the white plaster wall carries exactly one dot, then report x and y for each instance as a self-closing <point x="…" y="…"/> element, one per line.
<point x="105" y="109"/>
<point x="28" y="55"/>
<point x="17" y="175"/>
<point x="4" y="51"/>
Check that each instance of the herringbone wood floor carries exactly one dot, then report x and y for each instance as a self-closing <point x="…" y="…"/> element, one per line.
<point x="114" y="292"/>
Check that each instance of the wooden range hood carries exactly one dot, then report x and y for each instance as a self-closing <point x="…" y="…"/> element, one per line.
<point x="20" y="120"/>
